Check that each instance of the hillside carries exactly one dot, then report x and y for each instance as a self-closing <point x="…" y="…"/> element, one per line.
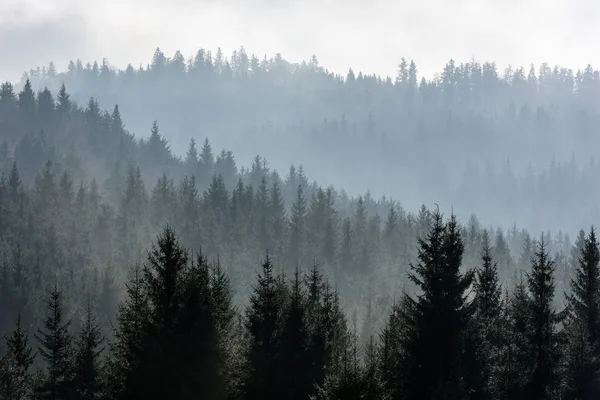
<point x="513" y="146"/>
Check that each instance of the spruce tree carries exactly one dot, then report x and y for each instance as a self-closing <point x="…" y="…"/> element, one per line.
<point x="583" y="323"/>
<point x="294" y="364"/>
<point x="88" y="367"/>
<point x="486" y="333"/>
<point x="27" y="100"/>
<point x="198" y="356"/>
<point x="487" y="289"/>
<point x="543" y="337"/>
<point x="127" y="351"/>
<point x="15" y="374"/>
<point x="439" y="368"/>
<point x="297" y="230"/>
<point x="64" y="103"/>
<point x="165" y="283"/>
<point x="56" y="350"/>
<point x="263" y="317"/>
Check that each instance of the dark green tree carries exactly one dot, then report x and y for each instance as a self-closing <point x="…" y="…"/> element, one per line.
<point x="263" y="322"/>
<point x="87" y="360"/>
<point x="439" y="368"/>
<point x="583" y="323"/>
<point x="293" y="358"/>
<point x="15" y="374"/>
<point x="544" y="336"/>
<point x="56" y="350"/>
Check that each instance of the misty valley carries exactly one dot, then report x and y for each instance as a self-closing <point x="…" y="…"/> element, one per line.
<point x="231" y="227"/>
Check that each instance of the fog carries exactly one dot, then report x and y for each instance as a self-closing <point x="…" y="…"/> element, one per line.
<point x="370" y="36"/>
<point x="243" y="200"/>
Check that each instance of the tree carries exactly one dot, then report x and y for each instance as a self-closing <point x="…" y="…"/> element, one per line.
<point x="128" y="348"/>
<point x="488" y="305"/>
<point x="27" y="100"/>
<point x="64" y="103"/>
<point x="263" y="317"/>
<point x="294" y="371"/>
<point x="583" y="323"/>
<point x="55" y="349"/>
<point x="487" y="289"/>
<point x="543" y="337"/>
<point x="297" y="228"/>
<point x="45" y="106"/>
<point x="164" y="282"/>
<point x="200" y="356"/>
<point x="7" y="93"/>
<point x="191" y="157"/>
<point x="15" y="375"/>
<point x="439" y="367"/>
<point x="87" y="379"/>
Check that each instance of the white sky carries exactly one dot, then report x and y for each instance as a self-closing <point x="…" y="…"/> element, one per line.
<point x="366" y="35"/>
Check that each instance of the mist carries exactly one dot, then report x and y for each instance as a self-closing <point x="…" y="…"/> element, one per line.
<point x="263" y="200"/>
<point x="366" y="36"/>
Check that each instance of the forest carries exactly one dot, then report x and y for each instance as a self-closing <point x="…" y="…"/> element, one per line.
<point x="513" y="145"/>
<point x="128" y="271"/>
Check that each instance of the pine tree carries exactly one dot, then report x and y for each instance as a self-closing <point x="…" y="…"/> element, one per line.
<point x="64" y="103"/>
<point x="27" y="100"/>
<point x="543" y="337"/>
<point x="127" y="351"/>
<point x="294" y="364"/>
<point x="191" y="158"/>
<point x="487" y="289"/>
<point x="277" y="219"/>
<point x="207" y="161"/>
<point x="200" y="357"/>
<point x="439" y="368"/>
<point x="15" y="375"/>
<point x="263" y="317"/>
<point x="297" y="231"/>
<point x="488" y="305"/>
<point x="583" y="323"/>
<point x="55" y="349"/>
<point x="164" y="281"/>
<point x="87" y="379"/>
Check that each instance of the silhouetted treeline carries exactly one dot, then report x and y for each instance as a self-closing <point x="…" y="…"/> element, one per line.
<point x="471" y="133"/>
<point x="177" y="333"/>
<point x="357" y="297"/>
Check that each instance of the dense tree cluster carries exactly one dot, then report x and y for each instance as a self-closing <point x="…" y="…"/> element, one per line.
<point x="127" y="272"/>
<point x="502" y="143"/>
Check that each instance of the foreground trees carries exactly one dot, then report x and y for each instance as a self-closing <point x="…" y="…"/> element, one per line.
<point x="178" y="335"/>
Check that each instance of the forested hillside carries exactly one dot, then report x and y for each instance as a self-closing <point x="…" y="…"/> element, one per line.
<point x="514" y="146"/>
<point x="128" y="272"/>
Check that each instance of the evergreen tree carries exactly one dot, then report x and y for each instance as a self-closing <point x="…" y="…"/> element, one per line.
<point x="87" y="379"/>
<point x="191" y="158"/>
<point x="55" y="349"/>
<point x="64" y="102"/>
<point x="488" y="305"/>
<point x="263" y="317"/>
<point x="439" y="368"/>
<point x="15" y="374"/>
<point x="544" y="336"/>
<point x="297" y="228"/>
<point x="583" y="323"/>
<point x="487" y="289"/>
<point x="164" y="282"/>
<point x="27" y="100"/>
<point x="294" y="364"/>
<point x="199" y="354"/>
<point x="127" y="351"/>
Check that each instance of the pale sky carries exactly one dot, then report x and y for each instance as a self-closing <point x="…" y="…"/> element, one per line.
<point x="368" y="36"/>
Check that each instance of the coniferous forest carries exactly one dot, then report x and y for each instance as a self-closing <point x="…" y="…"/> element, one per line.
<point x="130" y="271"/>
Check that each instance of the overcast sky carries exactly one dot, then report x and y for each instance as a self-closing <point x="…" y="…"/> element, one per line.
<point x="367" y="35"/>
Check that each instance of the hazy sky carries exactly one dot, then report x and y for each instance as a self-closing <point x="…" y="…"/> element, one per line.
<point x="367" y="35"/>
